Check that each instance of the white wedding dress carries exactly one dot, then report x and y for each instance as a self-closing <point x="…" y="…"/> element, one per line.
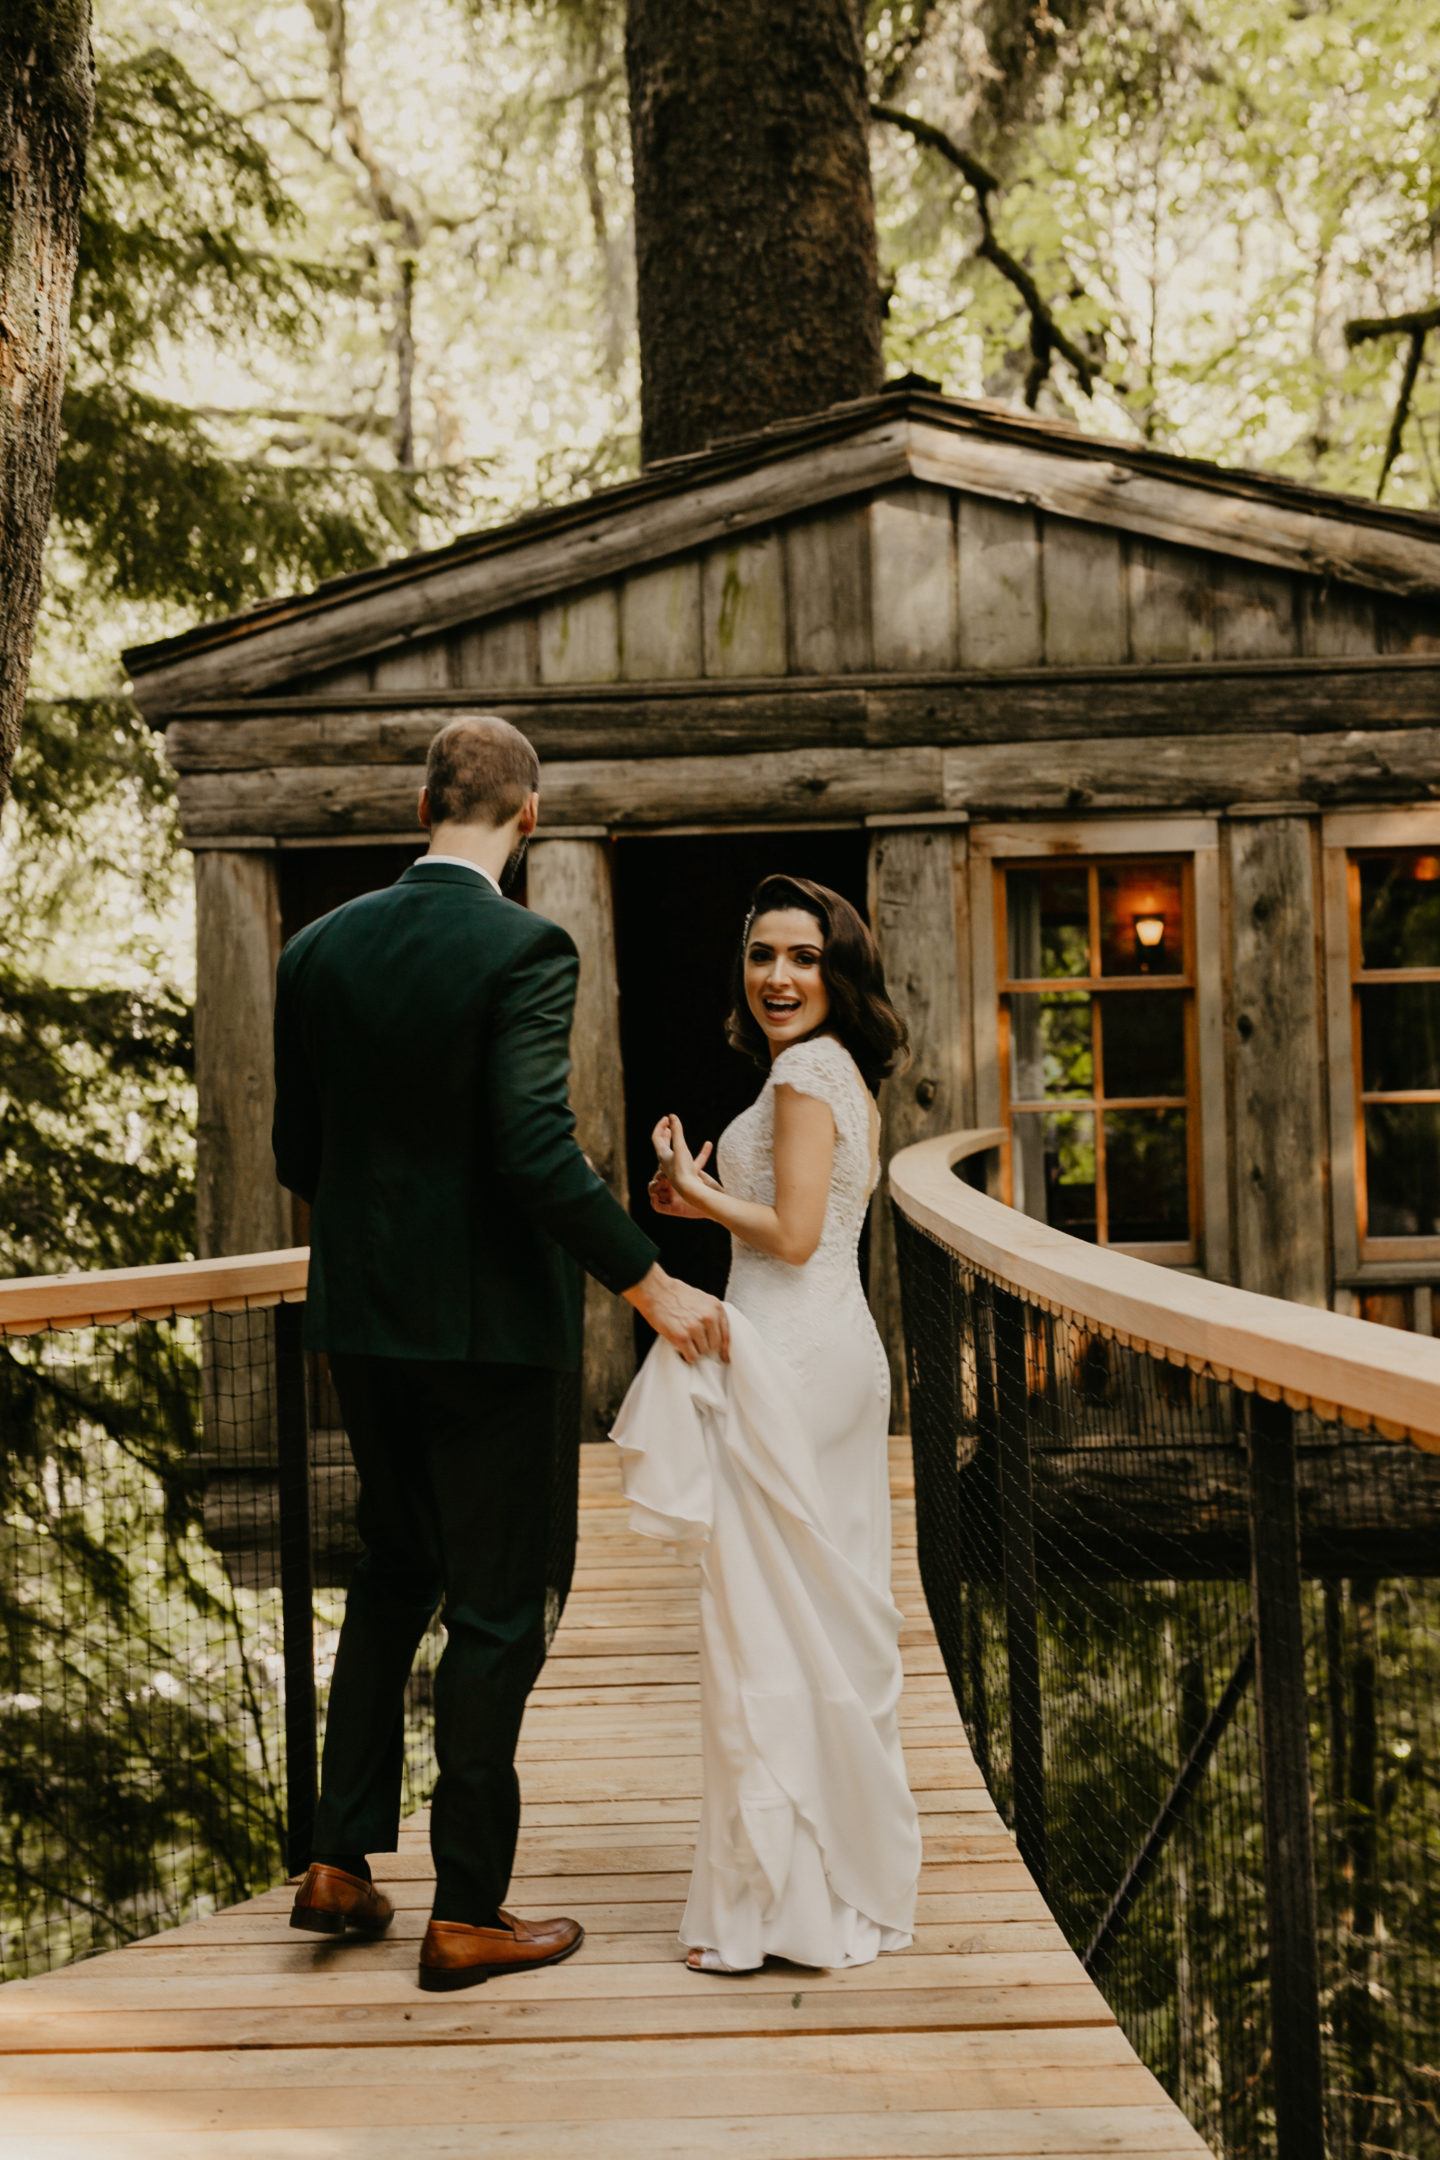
<point x="773" y="1469"/>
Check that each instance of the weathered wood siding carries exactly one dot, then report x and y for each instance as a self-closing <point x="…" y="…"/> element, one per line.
<point x="374" y="795"/>
<point x="919" y="577"/>
<point x="888" y="654"/>
<point x="1279" y="1131"/>
<point x="240" y="1206"/>
<point x="913" y="911"/>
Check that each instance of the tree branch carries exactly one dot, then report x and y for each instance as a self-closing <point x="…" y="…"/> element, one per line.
<point x="1402" y="407"/>
<point x="1046" y="336"/>
<point x="1416" y="326"/>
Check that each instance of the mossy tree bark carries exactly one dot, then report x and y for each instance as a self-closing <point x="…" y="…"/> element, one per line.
<point x="46" y="104"/>
<point x="754" y="215"/>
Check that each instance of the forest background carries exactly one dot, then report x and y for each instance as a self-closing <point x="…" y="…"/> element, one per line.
<point x="357" y="275"/>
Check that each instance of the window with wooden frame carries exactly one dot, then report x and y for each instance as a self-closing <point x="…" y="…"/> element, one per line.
<point x="1095" y="970"/>
<point x="1393" y="908"/>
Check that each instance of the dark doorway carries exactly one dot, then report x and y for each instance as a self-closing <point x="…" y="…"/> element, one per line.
<point x="315" y="881"/>
<point x="679" y="908"/>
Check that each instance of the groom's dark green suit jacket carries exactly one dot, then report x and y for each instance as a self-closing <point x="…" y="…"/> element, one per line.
<point x="422" y="1061"/>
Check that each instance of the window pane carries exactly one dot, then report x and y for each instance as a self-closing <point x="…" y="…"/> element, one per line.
<point x="1047" y="915"/>
<point x="1400" y="1035"/>
<point x="1141" y="901"/>
<point x="1400" y="909"/>
<point x="1146" y="1178"/>
<point x="1143" y="1036"/>
<point x="1054" y="1169"/>
<point x="1050" y="1053"/>
<point x="1402" y="1169"/>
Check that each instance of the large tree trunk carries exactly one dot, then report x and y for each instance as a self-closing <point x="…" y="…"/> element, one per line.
<point x="754" y="217"/>
<point x="46" y="103"/>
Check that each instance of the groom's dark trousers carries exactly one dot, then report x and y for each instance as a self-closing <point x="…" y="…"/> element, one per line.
<point x="454" y="1466"/>
<point x="421" y="1069"/>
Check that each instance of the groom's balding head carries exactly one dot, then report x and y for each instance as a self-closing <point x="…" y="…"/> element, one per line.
<point x="480" y="772"/>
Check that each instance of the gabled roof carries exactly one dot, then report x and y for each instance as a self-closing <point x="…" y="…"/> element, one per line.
<point x="904" y="433"/>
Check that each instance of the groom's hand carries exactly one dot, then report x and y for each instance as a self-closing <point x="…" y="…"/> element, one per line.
<point x="691" y="1321"/>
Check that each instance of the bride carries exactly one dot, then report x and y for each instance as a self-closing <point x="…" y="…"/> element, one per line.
<point x="773" y="1469"/>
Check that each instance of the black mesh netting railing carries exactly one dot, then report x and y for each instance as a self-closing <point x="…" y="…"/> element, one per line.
<point x="1220" y="1755"/>
<point x="176" y="1531"/>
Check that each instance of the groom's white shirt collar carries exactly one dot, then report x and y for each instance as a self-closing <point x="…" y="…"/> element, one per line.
<point x="459" y="862"/>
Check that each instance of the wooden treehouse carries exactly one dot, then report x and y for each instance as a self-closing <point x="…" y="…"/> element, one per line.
<point x="1133" y="761"/>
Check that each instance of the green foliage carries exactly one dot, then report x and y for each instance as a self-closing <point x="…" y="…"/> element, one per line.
<point x="183" y="245"/>
<point x="96" y="1107"/>
<point x="138" y="1726"/>
<point x="165" y="515"/>
<point x="1206" y="192"/>
<point x="83" y="1068"/>
<point x="181" y="211"/>
<point x="1129" y="1673"/>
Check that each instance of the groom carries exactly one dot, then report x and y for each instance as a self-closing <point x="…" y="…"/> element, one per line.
<point x="421" y="1070"/>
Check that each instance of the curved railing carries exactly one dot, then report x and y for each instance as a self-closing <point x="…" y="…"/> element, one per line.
<point x="1312" y="1360"/>
<point x="1180" y="1544"/>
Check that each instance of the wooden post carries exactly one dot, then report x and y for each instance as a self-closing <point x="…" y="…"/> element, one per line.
<point x="297" y="1606"/>
<point x="1279" y="1102"/>
<point x="240" y="1204"/>
<point x="912" y="911"/>
<point x="569" y="881"/>
<point x="1283" y="1715"/>
<point x="242" y="1207"/>
<point x="1022" y="1620"/>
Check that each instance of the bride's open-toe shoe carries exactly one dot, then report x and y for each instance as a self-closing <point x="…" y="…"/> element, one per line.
<point x="710" y="1961"/>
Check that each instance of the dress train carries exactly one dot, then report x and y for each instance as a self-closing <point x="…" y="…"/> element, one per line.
<point x="808" y="1845"/>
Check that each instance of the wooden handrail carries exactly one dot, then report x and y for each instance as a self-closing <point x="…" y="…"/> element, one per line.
<point x="29" y="1303"/>
<point x="1323" y="1361"/>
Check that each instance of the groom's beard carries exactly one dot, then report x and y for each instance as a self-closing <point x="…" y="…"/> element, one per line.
<point x="510" y="875"/>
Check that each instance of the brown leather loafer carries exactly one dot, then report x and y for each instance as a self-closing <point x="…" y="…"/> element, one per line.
<point x="456" y="1956"/>
<point x="329" y="1901"/>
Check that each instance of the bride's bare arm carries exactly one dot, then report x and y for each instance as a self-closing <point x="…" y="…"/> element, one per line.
<point x="804" y="1158"/>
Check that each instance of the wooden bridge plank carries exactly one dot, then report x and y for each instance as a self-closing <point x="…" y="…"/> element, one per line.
<point x="562" y="1744"/>
<point x="984" y="2042"/>
<point x="274" y="1953"/>
<point x="680" y="2096"/>
<point x="868" y="2055"/>
<point x="1058" y="2134"/>
<point x="89" y="1992"/>
<point x="491" y="2013"/>
<point x="266" y="1920"/>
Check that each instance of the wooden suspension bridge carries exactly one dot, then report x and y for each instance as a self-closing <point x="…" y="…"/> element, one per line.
<point x="234" y="2037"/>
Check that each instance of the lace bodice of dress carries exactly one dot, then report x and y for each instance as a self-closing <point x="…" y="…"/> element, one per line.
<point x="803" y="1304"/>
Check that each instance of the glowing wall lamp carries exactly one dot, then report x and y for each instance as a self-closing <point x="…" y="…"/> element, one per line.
<point x="1149" y="932"/>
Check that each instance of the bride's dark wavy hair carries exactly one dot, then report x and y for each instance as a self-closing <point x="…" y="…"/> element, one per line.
<point x="861" y="1013"/>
